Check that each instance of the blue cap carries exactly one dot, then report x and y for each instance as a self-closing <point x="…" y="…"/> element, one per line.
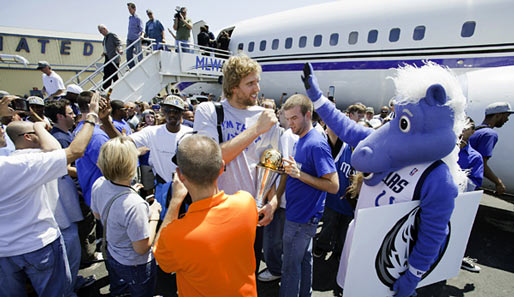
<point x="498" y="107"/>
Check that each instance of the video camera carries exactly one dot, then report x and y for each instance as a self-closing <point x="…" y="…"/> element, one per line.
<point x="177" y="11"/>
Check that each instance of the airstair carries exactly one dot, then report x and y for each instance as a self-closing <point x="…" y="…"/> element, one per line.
<point x="156" y="70"/>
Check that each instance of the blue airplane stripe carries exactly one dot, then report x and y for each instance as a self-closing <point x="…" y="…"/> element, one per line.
<point x="375" y="65"/>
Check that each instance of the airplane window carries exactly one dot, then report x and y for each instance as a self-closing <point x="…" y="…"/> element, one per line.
<point x="394" y="34"/>
<point x="240" y="46"/>
<point x="250" y="46"/>
<point x="302" y="42"/>
<point x="289" y="42"/>
<point x="372" y="36"/>
<point x="419" y="33"/>
<point x="262" y="46"/>
<point x="334" y="39"/>
<point x="353" y="37"/>
<point x="317" y="40"/>
<point x="274" y="44"/>
<point x="468" y="29"/>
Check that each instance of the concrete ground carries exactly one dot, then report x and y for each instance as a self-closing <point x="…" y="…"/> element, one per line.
<point x="491" y="243"/>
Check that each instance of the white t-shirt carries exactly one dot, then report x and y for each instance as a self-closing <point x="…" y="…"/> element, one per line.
<point x="163" y="145"/>
<point x="25" y="216"/>
<point x="241" y="172"/>
<point x="52" y="83"/>
<point x="287" y="142"/>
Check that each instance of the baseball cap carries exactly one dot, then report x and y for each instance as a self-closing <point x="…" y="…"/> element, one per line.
<point x="175" y="101"/>
<point x="35" y="100"/>
<point x="42" y="64"/>
<point x="498" y="107"/>
<point x="370" y="109"/>
<point x="3" y="93"/>
<point x="74" y="89"/>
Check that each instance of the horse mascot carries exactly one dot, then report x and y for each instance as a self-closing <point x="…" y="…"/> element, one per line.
<point x="412" y="157"/>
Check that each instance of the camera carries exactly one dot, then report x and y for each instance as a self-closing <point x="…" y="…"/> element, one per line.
<point x="19" y="104"/>
<point x="177" y="10"/>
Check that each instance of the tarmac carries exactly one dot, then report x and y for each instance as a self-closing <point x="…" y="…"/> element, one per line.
<point x="491" y="242"/>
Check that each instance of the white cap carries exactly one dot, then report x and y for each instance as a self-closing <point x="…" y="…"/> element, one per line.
<point x="35" y="100"/>
<point x="74" y="89"/>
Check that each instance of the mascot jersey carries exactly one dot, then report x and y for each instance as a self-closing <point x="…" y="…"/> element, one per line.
<point x="430" y="182"/>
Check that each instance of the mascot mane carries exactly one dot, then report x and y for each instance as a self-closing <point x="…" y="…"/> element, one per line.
<point x="411" y="83"/>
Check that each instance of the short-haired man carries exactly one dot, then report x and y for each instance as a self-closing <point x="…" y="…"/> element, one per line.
<point x="183" y="25"/>
<point x="135" y="32"/>
<point x="211" y="247"/>
<point x="356" y="112"/>
<point x="53" y="86"/>
<point x="154" y="29"/>
<point x="162" y="142"/>
<point x="31" y="244"/>
<point x="112" y="47"/>
<point x="72" y="92"/>
<point x="311" y="173"/>
<point x="247" y="131"/>
<point x="484" y="139"/>
<point x="63" y="117"/>
<point x="119" y="116"/>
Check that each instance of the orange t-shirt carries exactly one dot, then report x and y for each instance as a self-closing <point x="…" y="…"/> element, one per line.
<point x="211" y="247"/>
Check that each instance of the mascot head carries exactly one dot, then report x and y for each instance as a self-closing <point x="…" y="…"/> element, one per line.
<point x="429" y="116"/>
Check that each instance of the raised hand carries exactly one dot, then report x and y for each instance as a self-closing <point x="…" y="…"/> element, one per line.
<point x="311" y="83"/>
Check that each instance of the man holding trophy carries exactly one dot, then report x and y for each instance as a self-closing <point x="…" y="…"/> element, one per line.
<point x="311" y="174"/>
<point x="247" y="131"/>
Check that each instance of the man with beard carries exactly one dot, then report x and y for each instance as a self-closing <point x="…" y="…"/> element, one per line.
<point x="162" y="142"/>
<point x="484" y="139"/>
<point x="247" y="131"/>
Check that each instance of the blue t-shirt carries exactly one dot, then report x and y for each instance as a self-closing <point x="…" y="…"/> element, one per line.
<point x="470" y="159"/>
<point x="153" y="29"/>
<point x="483" y="141"/>
<point x="87" y="171"/>
<point x="313" y="157"/>
<point x="344" y="170"/>
<point x="64" y="137"/>
<point x="122" y="125"/>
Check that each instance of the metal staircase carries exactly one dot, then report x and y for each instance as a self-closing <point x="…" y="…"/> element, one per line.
<point x="157" y="70"/>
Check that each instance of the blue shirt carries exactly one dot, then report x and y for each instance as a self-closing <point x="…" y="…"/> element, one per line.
<point x="470" y="159"/>
<point x="153" y="29"/>
<point x="135" y="27"/>
<point x="313" y="157"/>
<point x="483" y="141"/>
<point x="337" y="202"/>
<point x="64" y="137"/>
<point x="87" y="171"/>
<point x="122" y="125"/>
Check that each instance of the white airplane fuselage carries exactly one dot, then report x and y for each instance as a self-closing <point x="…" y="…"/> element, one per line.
<point x="355" y="45"/>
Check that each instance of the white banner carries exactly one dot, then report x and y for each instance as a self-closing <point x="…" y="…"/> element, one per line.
<point x="377" y="246"/>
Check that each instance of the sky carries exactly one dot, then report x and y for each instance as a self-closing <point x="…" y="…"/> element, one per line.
<point x="84" y="16"/>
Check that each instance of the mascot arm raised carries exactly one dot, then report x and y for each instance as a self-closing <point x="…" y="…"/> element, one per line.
<point x="346" y="129"/>
<point x="437" y="200"/>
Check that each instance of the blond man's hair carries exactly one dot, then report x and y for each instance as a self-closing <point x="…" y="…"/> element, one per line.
<point x="118" y="159"/>
<point x="299" y="100"/>
<point x="235" y="69"/>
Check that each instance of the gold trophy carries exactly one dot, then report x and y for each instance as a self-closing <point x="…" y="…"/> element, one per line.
<point x="268" y="171"/>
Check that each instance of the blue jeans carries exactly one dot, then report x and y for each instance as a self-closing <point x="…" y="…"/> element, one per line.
<point x="135" y="49"/>
<point x="184" y="44"/>
<point x="272" y="244"/>
<point x="71" y="239"/>
<point x="297" y="260"/>
<point x="138" y="280"/>
<point x="47" y="269"/>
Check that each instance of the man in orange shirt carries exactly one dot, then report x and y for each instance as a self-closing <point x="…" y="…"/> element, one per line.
<point x="211" y="246"/>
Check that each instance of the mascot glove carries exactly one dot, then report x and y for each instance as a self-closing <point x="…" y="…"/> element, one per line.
<point x="311" y="83"/>
<point x="406" y="284"/>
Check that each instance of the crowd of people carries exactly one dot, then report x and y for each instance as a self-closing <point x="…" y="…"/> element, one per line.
<point x="170" y="187"/>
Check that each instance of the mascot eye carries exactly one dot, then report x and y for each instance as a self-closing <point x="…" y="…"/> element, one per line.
<point x="404" y="124"/>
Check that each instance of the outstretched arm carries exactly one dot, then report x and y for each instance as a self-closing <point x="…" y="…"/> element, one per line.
<point x="346" y="129"/>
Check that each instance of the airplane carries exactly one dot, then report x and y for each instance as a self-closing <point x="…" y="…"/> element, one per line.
<point x="355" y="45"/>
